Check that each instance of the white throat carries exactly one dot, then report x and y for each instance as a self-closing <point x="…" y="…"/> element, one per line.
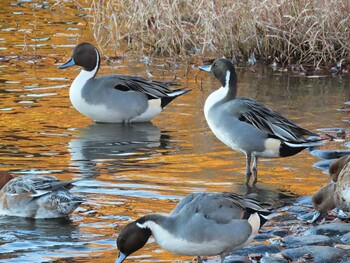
<point x="179" y="245"/>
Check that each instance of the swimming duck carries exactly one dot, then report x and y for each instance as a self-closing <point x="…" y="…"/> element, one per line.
<point x="115" y="98"/>
<point x="248" y="126"/>
<point x="202" y="224"/>
<point x="36" y="196"/>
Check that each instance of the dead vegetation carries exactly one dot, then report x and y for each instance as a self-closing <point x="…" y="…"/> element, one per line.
<point x="287" y="31"/>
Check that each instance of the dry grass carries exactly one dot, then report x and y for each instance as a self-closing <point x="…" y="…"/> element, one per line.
<point x="291" y="31"/>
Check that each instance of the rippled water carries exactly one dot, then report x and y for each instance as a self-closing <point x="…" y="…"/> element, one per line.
<point x="131" y="170"/>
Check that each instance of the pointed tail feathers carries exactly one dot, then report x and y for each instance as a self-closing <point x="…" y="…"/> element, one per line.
<point x="178" y="92"/>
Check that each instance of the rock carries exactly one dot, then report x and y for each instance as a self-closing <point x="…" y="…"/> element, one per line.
<point x="331" y="230"/>
<point x="262" y="237"/>
<point x="330" y="154"/>
<point x="342" y="246"/>
<point x="324" y="165"/>
<point x="281" y="232"/>
<point x="307" y="216"/>
<point x="346" y="239"/>
<point x="258" y="249"/>
<point x="346" y="259"/>
<point x="296" y="209"/>
<point x="236" y="259"/>
<point x="317" y="254"/>
<point x="273" y="259"/>
<point x="305" y="201"/>
<point x="299" y="241"/>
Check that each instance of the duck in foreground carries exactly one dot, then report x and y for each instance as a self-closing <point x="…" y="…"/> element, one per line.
<point x="248" y="126"/>
<point x="115" y="98"/>
<point x="336" y="193"/>
<point x="36" y="196"/>
<point x="342" y="191"/>
<point x="202" y="224"/>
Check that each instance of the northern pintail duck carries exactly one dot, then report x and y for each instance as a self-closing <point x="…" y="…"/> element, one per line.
<point x="36" y="196"/>
<point x="336" y="193"/>
<point x="115" y="98"/>
<point x="248" y="126"/>
<point x="202" y="224"/>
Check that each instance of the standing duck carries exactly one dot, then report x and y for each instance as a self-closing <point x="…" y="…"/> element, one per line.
<point x="36" y="196"/>
<point x="202" y="224"/>
<point x="115" y="98"/>
<point x="246" y="125"/>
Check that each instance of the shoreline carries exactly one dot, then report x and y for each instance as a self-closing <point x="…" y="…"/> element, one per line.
<point x="288" y="237"/>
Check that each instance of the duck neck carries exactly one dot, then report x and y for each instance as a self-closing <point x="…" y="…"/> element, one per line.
<point x="161" y="227"/>
<point x="148" y="221"/>
<point x="230" y="84"/>
<point x="85" y="75"/>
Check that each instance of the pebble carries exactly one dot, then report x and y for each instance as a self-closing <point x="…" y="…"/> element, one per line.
<point x="297" y="241"/>
<point x="332" y="229"/>
<point x="259" y="249"/>
<point x="317" y="254"/>
<point x="288" y="237"/>
<point x="346" y="239"/>
<point x="273" y="259"/>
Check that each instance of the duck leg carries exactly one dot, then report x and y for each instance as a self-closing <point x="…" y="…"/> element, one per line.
<point x="199" y="259"/>
<point x="222" y="258"/>
<point x="255" y="170"/>
<point x="248" y="173"/>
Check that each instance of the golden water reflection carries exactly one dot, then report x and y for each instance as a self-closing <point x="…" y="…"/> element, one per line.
<point x="129" y="171"/>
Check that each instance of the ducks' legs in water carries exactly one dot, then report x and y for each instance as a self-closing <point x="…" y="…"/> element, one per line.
<point x="255" y="170"/>
<point x="199" y="259"/>
<point x="248" y="173"/>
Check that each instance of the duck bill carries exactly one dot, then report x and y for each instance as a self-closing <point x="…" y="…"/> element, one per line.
<point x="69" y="63"/>
<point x="206" y="68"/>
<point x="121" y="258"/>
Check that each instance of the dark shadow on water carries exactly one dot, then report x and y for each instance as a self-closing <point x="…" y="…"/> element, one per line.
<point x="116" y="147"/>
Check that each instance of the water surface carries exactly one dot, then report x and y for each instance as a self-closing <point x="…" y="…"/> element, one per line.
<point x="131" y="170"/>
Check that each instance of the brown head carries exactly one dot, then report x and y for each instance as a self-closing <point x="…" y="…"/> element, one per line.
<point x="323" y="199"/>
<point x="336" y="167"/>
<point x="132" y="238"/>
<point x="84" y="55"/>
<point x="224" y="71"/>
<point x="5" y="177"/>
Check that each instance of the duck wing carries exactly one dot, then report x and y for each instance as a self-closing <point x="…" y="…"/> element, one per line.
<point x="267" y="120"/>
<point x="153" y="89"/>
<point x="35" y="186"/>
<point x="220" y="207"/>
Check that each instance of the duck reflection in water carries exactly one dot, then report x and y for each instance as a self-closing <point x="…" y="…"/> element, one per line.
<point x="115" y="147"/>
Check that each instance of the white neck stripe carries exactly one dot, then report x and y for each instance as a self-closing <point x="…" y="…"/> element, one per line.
<point x="141" y="225"/>
<point x="97" y="63"/>
<point x="227" y="79"/>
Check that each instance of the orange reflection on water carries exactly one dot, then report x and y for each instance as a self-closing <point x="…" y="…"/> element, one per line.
<point x="126" y="177"/>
